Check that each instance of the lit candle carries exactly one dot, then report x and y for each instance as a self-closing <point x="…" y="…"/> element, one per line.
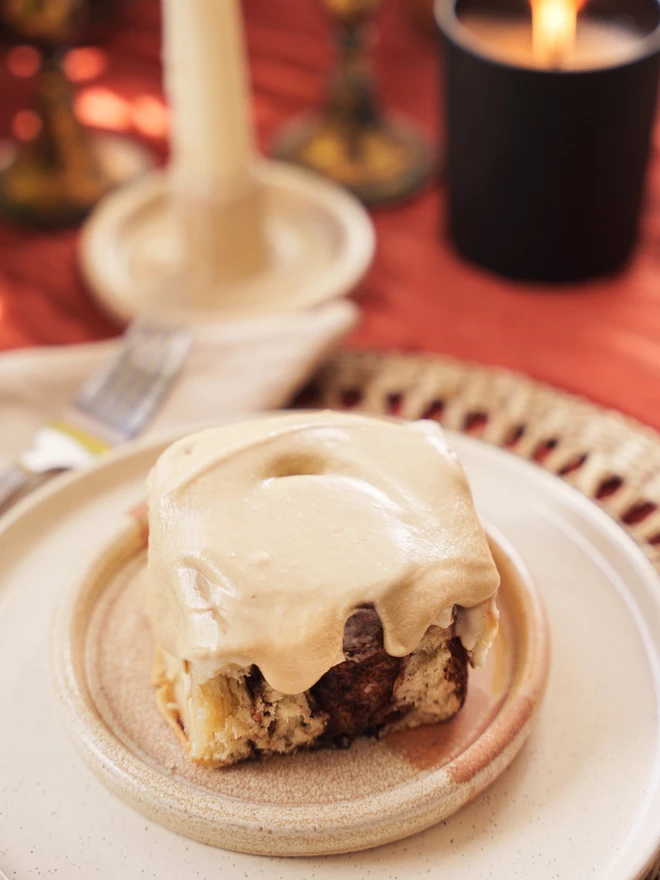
<point x="554" y="27"/>
<point x="550" y="110"/>
<point x="554" y="37"/>
<point x="216" y="194"/>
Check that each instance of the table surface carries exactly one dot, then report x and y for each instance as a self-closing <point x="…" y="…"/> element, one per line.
<point x="600" y="339"/>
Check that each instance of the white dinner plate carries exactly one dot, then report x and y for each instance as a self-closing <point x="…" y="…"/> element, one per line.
<point x="581" y="801"/>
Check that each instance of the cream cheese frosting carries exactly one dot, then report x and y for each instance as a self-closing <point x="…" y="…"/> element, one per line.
<point x="265" y="535"/>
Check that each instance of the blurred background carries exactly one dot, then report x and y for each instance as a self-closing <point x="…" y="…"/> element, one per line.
<point x="599" y="337"/>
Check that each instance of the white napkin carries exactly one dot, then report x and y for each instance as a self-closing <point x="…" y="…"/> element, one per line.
<point x="237" y="367"/>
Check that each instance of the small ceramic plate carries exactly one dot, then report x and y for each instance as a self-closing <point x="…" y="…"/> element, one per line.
<point x="314" y="803"/>
<point x="581" y="800"/>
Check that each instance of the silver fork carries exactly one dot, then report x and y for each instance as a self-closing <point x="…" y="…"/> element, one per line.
<point x="112" y="406"/>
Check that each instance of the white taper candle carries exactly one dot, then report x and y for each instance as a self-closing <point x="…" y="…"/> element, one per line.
<point x="207" y="87"/>
<point x="216" y="194"/>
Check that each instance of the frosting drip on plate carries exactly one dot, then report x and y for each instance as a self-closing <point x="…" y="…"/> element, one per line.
<point x="266" y="535"/>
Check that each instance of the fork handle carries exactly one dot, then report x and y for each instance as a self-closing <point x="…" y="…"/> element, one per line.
<point x="13" y="481"/>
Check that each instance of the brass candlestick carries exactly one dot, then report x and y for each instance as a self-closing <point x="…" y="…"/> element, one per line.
<point x="58" y="176"/>
<point x="380" y="158"/>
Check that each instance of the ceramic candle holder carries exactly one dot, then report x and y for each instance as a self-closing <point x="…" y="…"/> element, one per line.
<point x="546" y="165"/>
<point x="221" y="234"/>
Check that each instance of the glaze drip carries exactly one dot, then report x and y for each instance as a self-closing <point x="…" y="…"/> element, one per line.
<point x="267" y="534"/>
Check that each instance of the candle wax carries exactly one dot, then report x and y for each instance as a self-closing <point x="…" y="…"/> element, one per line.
<point x="216" y="196"/>
<point x="598" y="43"/>
<point x="206" y="82"/>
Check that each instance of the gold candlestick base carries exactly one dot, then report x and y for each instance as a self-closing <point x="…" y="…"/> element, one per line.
<point x="380" y="164"/>
<point x="380" y="159"/>
<point x="56" y="178"/>
<point x="48" y="196"/>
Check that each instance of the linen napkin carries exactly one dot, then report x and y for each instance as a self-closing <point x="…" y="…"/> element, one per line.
<point x="231" y="368"/>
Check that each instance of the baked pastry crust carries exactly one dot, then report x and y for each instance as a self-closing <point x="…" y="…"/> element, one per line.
<point x="237" y="715"/>
<point x="313" y="577"/>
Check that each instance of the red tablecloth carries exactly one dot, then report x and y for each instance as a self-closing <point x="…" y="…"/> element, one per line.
<point x="601" y="339"/>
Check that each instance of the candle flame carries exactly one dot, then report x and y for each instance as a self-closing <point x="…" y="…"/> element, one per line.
<point x="554" y="27"/>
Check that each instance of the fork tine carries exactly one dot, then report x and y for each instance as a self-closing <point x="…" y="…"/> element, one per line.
<point x="126" y="394"/>
<point x="102" y="380"/>
<point x="141" y="411"/>
<point x="141" y="375"/>
<point x="132" y="371"/>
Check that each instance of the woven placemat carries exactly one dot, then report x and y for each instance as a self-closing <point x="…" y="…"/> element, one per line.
<point x="611" y="459"/>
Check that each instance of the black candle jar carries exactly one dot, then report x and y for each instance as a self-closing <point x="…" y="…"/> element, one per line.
<point x="546" y="167"/>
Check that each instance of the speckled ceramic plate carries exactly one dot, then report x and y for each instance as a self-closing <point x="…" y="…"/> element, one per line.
<point x="581" y="800"/>
<point x="320" y="802"/>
